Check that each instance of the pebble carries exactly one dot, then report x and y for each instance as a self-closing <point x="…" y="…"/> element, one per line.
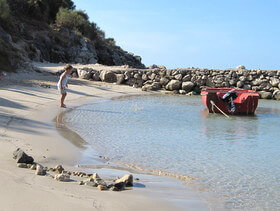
<point x="22" y="165"/>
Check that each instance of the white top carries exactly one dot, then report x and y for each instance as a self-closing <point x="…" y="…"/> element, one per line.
<point x="63" y="81"/>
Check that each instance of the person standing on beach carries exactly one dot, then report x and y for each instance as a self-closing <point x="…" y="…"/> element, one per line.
<point x="62" y="84"/>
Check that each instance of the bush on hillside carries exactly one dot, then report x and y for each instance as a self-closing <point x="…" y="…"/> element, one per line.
<point x="71" y="19"/>
<point x="42" y="10"/>
<point x="55" y="5"/>
<point x="4" y="9"/>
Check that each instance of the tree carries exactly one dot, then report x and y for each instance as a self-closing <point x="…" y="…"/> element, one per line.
<point x="71" y="20"/>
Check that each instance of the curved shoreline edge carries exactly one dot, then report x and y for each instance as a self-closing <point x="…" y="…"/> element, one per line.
<point x="28" y="109"/>
<point x="103" y="162"/>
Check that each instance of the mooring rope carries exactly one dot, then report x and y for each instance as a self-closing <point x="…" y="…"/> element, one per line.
<point x="213" y="104"/>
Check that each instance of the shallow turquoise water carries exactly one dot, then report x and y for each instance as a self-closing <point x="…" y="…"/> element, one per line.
<point x="235" y="160"/>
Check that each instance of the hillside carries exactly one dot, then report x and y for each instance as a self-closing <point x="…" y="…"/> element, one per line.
<point x="53" y="31"/>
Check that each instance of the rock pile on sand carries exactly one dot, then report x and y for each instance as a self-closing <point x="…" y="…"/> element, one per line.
<point x="61" y="175"/>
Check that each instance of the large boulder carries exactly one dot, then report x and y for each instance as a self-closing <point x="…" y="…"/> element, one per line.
<point x="108" y="76"/>
<point x="174" y="85"/>
<point x="186" y="78"/>
<point x="178" y="77"/>
<point x="187" y="86"/>
<point x="274" y="82"/>
<point x="276" y="95"/>
<point x="240" y="84"/>
<point x="120" y="78"/>
<point x="96" y="76"/>
<point x="265" y="95"/>
<point x="22" y="157"/>
<point x="151" y="87"/>
<point x="256" y="82"/>
<point x="84" y="73"/>
<point x="164" y="81"/>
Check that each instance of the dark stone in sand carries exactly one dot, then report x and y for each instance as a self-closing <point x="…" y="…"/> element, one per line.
<point x="117" y="186"/>
<point x="22" y="157"/>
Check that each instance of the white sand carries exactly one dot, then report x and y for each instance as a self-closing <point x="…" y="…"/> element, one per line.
<point x="27" y="113"/>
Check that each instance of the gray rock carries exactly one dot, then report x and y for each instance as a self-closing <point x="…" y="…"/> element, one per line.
<point x="127" y="75"/>
<point x="137" y="76"/>
<point x="242" y="78"/>
<point x="276" y="95"/>
<point x="232" y="82"/>
<point x="127" y="179"/>
<point x="152" y="76"/>
<point x="154" y="66"/>
<point x="164" y="81"/>
<point x="40" y="170"/>
<point x="62" y="177"/>
<point x="265" y="95"/>
<point x="58" y="168"/>
<point x="250" y="78"/>
<point x="247" y="86"/>
<point x="91" y="183"/>
<point x="187" y="86"/>
<point x="96" y="76"/>
<point x="265" y="86"/>
<point x="108" y="76"/>
<point x="22" y="157"/>
<point x="178" y="77"/>
<point x="256" y="82"/>
<point x="186" y="78"/>
<point x="241" y="67"/>
<point x="84" y="73"/>
<point x="174" y="85"/>
<point x="145" y="77"/>
<point x="151" y="87"/>
<point x="120" y="78"/>
<point x="118" y="186"/>
<point x="182" y="92"/>
<point x="22" y="165"/>
<point x="274" y="82"/>
<point x="240" y="84"/>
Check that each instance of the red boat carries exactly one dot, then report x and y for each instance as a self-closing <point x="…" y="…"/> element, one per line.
<point x="245" y="102"/>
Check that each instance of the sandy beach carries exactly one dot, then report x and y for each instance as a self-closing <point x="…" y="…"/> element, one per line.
<point x="28" y="108"/>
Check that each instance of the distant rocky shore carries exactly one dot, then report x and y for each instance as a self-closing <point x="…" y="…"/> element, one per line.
<point x="188" y="81"/>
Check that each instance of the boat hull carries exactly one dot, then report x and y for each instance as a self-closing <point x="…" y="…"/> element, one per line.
<point x="245" y="103"/>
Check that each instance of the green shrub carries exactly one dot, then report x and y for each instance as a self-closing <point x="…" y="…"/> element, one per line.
<point x="71" y="20"/>
<point x="4" y="9"/>
<point x="43" y="10"/>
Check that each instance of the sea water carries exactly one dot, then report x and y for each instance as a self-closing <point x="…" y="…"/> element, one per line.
<point x="236" y="160"/>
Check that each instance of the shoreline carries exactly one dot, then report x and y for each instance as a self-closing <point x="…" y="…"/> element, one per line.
<point x="105" y="162"/>
<point x="28" y="113"/>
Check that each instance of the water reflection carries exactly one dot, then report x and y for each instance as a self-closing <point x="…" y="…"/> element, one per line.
<point x="217" y="127"/>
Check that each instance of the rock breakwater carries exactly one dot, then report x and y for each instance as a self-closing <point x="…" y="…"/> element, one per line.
<point x="189" y="81"/>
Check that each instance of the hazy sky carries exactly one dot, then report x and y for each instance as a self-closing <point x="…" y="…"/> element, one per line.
<point x="193" y="33"/>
